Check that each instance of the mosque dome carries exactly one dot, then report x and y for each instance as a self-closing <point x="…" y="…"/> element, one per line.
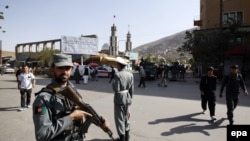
<point x="105" y="46"/>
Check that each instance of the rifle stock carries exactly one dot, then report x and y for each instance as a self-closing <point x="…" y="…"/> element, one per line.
<point x="73" y="96"/>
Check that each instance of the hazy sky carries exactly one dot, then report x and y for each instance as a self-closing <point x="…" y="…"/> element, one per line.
<point x="149" y="20"/>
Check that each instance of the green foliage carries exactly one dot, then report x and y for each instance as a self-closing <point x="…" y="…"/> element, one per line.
<point x="209" y="46"/>
<point x="46" y="56"/>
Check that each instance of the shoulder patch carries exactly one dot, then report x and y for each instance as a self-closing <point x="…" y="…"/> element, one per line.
<point x="40" y="109"/>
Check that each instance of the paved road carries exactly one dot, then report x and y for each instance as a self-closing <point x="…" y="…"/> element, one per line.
<point x="158" y="113"/>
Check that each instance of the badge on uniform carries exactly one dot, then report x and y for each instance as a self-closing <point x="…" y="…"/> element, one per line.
<point x="40" y="109"/>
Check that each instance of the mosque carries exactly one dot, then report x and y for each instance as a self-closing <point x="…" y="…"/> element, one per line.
<point x="112" y="48"/>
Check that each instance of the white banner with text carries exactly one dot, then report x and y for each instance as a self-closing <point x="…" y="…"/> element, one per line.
<point x="79" y="45"/>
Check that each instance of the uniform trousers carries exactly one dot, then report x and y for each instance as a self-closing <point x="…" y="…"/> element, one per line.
<point x="210" y="100"/>
<point x="232" y="102"/>
<point x="121" y="118"/>
<point x="25" y="97"/>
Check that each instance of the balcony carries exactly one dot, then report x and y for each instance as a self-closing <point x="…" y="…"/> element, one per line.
<point x="197" y="22"/>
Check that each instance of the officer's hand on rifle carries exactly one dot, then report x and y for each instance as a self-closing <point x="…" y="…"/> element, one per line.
<point x="79" y="114"/>
<point x="105" y="125"/>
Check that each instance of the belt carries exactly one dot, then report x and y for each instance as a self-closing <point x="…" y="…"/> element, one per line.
<point x="123" y="91"/>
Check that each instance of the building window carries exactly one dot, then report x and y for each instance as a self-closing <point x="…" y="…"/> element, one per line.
<point x="231" y="17"/>
<point x="238" y="41"/>
<point x="239" y="17"/>
<point x="225" y="18"/>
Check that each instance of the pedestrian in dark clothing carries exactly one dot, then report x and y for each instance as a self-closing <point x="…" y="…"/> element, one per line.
<point x="18" y="72"/>
<point x="112" y="74"/>
<point x="77" y="75"/>
<point x="182" y="72"/>
<point x="142" y="74"/>
<point x="243" y="73"/>
<point x="159" y="70"/>
<point x="94" y="74"/>
<point x="233" y="81"/>
<point x="163" y="77"/>
<point x="86" y="75"/>
<point x="207" y="89"/>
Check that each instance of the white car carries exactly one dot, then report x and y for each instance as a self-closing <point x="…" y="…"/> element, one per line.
<point x="9" y="70"/>
<point x="104" y="71"/>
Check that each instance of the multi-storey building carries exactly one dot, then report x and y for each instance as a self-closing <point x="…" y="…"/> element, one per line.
<point x="225" y="16"/>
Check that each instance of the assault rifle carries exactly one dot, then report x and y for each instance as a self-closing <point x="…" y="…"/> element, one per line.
<point x="74" y="96"/>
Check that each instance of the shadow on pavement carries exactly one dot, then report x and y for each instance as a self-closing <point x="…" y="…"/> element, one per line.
<point x="192" y="127"/>
<point x="8" y="88"/>
<point x="9" y="108"/>
<point x="100" y="140"/>
<point x="189" y="118"/>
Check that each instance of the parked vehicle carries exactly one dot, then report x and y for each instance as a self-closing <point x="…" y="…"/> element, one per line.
<point x="150" y="69"/>
<point x="9" y="70"/>
<point x="104" y="71"/>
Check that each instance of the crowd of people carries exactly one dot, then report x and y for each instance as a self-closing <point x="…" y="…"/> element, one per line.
<point x="60" y="117"/>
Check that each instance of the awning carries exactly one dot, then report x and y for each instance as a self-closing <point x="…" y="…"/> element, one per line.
<point x="236" y="50"/>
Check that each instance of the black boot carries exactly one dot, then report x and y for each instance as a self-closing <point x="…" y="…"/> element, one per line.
<point x="122" y="138"/>
<point x="127" y="136"/>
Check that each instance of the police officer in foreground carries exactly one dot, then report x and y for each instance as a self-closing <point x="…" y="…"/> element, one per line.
<point x="52" y="113"/>
<point x="233" y="81"/>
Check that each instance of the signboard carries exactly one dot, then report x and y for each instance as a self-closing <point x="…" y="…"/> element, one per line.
<point x="132" y="55"/>
<point x="79" y="45"/>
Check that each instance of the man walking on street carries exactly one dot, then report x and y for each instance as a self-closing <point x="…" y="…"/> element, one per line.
<point x="233" y="81"/>
<point x="163" y="78"/>
<point x="207" y="89"/>
<point x="26" y="81"/>
<point x="77" y="75"/>
<point x="142" y="74"/>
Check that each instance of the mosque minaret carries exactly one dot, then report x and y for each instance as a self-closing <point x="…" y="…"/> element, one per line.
<point x="128" y="43"/>
<point x="113" y="42"/>
<point x="113" y="47"/>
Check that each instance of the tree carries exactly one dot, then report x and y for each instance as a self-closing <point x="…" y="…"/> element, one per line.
<point x="46" y="56"/>
<point x="206" y="46"/>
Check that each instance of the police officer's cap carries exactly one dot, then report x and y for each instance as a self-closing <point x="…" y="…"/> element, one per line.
<point x="210" y="68"/>
<point x="234" y="67"/>
<point x="61" y="60"/>
<point x="121" y="61"/>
